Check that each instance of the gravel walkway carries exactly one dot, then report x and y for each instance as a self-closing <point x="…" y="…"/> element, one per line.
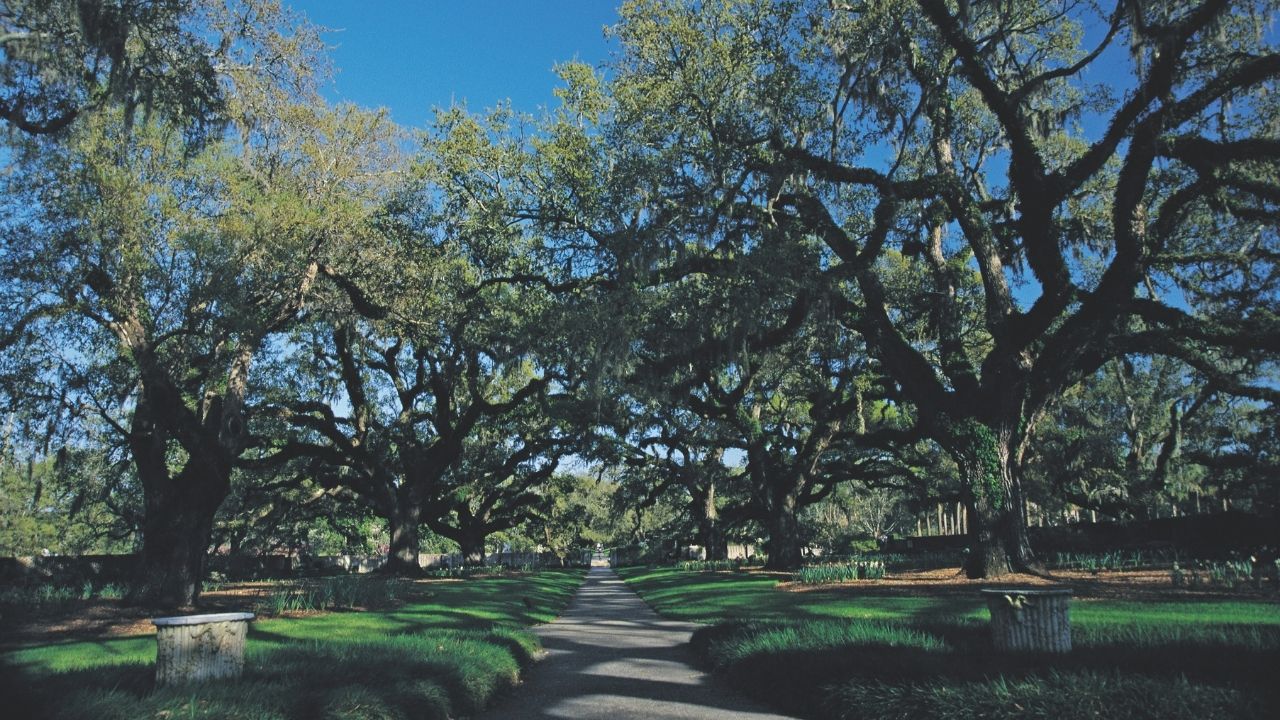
<point x="611" y="657"/>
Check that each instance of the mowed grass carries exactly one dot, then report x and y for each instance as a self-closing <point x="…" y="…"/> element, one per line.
<point x="832" y="654"/>
<point x="446" y="652"/>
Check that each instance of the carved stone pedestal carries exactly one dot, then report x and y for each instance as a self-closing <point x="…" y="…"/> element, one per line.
<point x="1030" y="619"/>
<point x="192" y="648"/>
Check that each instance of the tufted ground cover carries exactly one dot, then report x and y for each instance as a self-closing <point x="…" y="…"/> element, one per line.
<point x="850" y="654"/>
<point x="445" y="652"/>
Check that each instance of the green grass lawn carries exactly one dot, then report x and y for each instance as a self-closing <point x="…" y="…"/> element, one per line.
<point x="836" y="655"/>
<point x="445" y="652"/>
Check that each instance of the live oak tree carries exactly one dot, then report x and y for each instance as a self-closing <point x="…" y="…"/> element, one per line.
<point x="501" y="480"/>
<point x="576" y="515"/>
<point x="1242" y="455"/>
<point x="416" y="400"/>
<point x="153" y="279"/>
<point x="1147" y="437"/>
<point x="431" y="369"/>
<point x="856" y="516"/>
<point x="802" y="423"/>
<point x="1108" y="173"/>
<point x="179" y="59"/>
<point x="743" y="355"/>
<point x="689" y="297"/>
<point x="62" y="58"/>
<point x="1113" y="445"/>
<point x="284" y="510"/>
<point x="63" y="493"/>
<point x="681" y="455"/>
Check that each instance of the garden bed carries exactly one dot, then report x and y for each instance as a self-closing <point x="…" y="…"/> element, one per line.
<point x="1147" y="585"/>
<point x="918" y="644"/>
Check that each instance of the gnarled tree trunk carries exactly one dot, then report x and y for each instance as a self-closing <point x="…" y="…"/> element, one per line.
<point x="472" y="547"/>
<point x="175" y="540"/>
<point x="402" y="555"/>
<point x="179" y="509"/>
<point x="989" y="466"/>
<point x="784" y="546"/>
<point x="710" y="532"/>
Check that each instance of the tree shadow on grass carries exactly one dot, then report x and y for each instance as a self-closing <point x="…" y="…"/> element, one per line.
<point x="435" y="674"/>
<point x="960" y="657"/>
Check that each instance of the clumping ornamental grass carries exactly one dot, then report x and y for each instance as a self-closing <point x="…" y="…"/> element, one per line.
<point x="1111" y="560"/>
<point x="849" y="571"/>
<point x="45" y="596"/>
<point x="447" y="651"/>
<point x="331" y="593"/>
<point x="710" y="565"/>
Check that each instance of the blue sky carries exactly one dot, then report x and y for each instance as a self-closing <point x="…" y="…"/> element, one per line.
<point x="412" y="55"/>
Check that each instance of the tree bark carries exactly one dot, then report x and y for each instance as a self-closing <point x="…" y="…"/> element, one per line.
<point x="472" y="545"/>
<point x="998" y="540"/>
<point x="783" y="546"/>
<point x="402" y="556"/>
<point x="176" y="530"/>
<point x="713" y="540"/>
<point x="178" y="509"/>
<point x="710" y="533"/>
<point x="469" y="531"/>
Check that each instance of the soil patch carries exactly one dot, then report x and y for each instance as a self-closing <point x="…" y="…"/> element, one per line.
<point x="99" y="618"/>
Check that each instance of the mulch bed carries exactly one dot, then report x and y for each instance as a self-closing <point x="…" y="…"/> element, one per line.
<point x="1145" y="585"/>
<point x="94" y="619"/>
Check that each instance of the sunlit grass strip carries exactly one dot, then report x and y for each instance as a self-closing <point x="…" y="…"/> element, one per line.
<point x="1145" y="633"/>
<point x="739" y="641"/>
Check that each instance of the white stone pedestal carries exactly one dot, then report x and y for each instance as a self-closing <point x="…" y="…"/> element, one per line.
<point x="1030" y="619"/>
<point x="192" y="648"/>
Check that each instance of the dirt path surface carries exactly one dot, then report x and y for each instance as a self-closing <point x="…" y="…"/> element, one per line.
<point x="611" y="657"/>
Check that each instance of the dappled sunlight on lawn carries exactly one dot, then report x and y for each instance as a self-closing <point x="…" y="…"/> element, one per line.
<point x="831" y="650"/>
<point x="447" y="651"/>
<point x="713" y="596"/>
